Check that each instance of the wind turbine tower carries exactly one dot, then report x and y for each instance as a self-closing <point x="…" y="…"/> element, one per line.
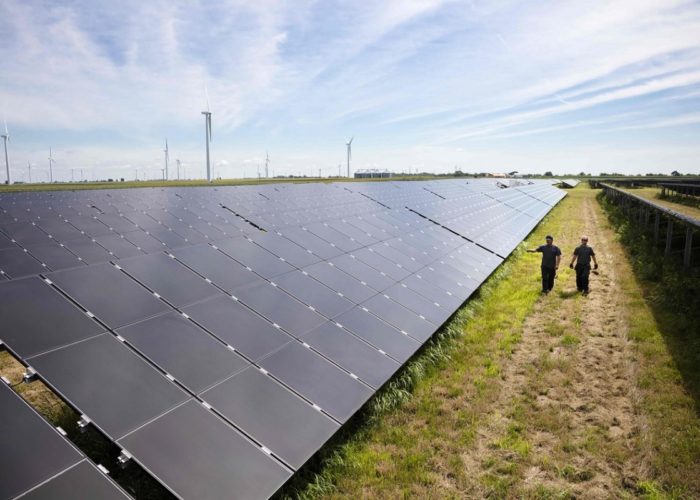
<point x="51" y="162"/>
<point x="207" y="125"/>
<point x="267" y="165"/>
<point x="167" y="157"/>
<point x="349" y="145"/>
<point x="29" y="168"/>
<point x="6" y="137"/>
<point x="178" y="169"/>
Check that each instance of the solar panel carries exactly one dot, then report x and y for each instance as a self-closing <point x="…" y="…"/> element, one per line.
<point x="253" y="256"/>
<point x="17" y="263"/>
<point x="317" y="380"/>
<point x="411" y="322"/>
<point x="88" y="251"/>
<point x="205" y="457"/>
<point x="117" y="246"/>
<point x="183" y="350"/>
<point x="287" y="249"/>
<point x="311" y="292"/>
<point x="216" y="266"/>
<point x="109" y="294"/>
<point x="238" y="326"/>
<point x="359" y="270"/>
<point x="31" y="451"/>
<point x="83" y="481"/>
<point x="280" y="308"/>
<point x="36" y="318"/>
<point x="351" y="353"/>
<point x="379" y="334"/>
<point x="340" y="281"/>
<point x="54" y="256"/>
<point x="110" y="384"/>
<point x="168" y="278"/>
<point x="284" y="423"/>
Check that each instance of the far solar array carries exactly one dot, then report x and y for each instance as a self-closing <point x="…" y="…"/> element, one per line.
<point x="220" y="336"/>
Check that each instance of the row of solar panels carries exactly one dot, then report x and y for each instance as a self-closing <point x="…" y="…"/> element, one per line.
<point x="225" y="352"/>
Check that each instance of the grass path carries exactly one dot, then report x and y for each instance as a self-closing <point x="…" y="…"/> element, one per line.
<point x="543" y="397"/>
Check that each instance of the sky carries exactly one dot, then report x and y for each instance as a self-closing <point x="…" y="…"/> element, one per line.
<point x="421" y="85"/>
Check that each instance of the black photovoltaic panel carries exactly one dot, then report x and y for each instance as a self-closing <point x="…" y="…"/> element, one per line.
<point x="54" y="256"/>
<point x="17" y="263"/>
<point x="168" y="278"/>
<point x="81" y="482"/>
<point x="183" y="350"/>
<point x="318" y="380"/>
<point x="109" y="294"/>
<point x="280" y="308"/>
<point x="374" y="278"/>
<point x="352" y="354"/>
<point x="107" y="382"/>
<point x="408" y="273"/>
<point x="118" y="246"/>
<point x="376" y="332"/>
<point x="340" y="281"/>
<point x="216" y="266"/>
<point x="31" y="451"/>
<point x="287" y="425"/>
<point x="253" y="256"/>
<point x="312" y="293"/>
<point x="37" y="318"/>
<point x="284" y="248"/>
<point x="238" y="326"/>
<point x="205" y="457"/>
<point x="88" y="251"/>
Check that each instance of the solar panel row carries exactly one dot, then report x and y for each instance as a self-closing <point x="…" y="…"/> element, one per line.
<point x="227" y="333"/>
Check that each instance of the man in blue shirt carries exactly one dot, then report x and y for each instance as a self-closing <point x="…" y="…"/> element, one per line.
<point x="583" y="254"/>
<point x="551" y="255"/>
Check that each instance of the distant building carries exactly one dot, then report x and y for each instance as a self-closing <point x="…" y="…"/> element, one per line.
<point x="499" y="175"/>
<point x="373" y="174"/>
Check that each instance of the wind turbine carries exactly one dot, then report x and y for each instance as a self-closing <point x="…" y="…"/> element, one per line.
<point x="29" y="168"/>
<point x="267" y="165"/>
<point x="51" y="162"/>
<point x="178" y="169"/>
<point x="167" y="157"/>
<point x="349" y="145"/>
<point x="207" y="125"/>
<point x="6" y="137"/>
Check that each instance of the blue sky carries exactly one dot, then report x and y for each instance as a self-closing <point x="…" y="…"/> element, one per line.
<point x="423" y="85"/>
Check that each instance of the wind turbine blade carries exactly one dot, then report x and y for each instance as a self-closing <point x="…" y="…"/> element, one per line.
<point x="206" y="94"/>
<point x="6" y="132"/>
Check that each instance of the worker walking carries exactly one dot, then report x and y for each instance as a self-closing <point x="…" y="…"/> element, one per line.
<point x="582" y="260"/>
<point x="551" y="255"/>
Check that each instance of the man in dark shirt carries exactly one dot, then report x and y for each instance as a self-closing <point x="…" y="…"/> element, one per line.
<point x="583" y="254"/>
<point x="551" y="255"/>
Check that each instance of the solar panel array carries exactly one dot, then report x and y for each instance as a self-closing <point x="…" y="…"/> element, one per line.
<point x="220" y="336"/>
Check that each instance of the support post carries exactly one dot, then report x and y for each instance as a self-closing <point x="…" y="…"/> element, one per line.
<point x="657" y="223"/>
<point x="688" y="247"/>
<point x="669" y="237"/>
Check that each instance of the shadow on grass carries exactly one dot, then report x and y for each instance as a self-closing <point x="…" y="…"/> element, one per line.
<point x="671" y="292"/>
<point x="567" y="294"/>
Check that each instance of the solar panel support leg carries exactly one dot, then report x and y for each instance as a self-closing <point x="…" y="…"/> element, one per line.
<point x="669" y="237"/>
<point x="657" y="223"/>
<point x="688" y="247"/>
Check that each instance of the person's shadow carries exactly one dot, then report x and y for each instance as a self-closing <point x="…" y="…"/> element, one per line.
<point x="567" y="294"/>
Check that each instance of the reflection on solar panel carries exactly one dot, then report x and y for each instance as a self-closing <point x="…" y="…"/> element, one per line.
<point x="220" y="336"/>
